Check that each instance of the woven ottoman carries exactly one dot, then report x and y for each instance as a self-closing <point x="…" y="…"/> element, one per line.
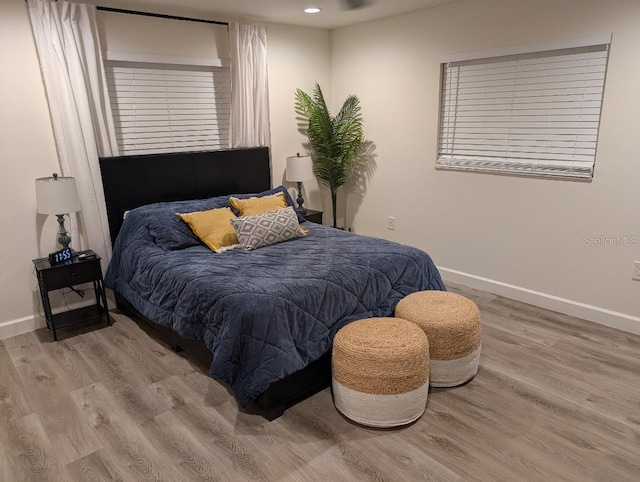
<point x="452" y="324"/>
<point x="380" y="371"/>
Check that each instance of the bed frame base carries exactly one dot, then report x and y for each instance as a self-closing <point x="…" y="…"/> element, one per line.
<point x="272" y="403"/>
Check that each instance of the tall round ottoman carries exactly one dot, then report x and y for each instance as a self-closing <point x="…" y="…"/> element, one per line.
<point x="452" y="324"/>
<point x="380" y="371"/>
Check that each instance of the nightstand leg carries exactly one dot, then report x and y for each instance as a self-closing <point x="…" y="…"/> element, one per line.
<point x="96" y="290"/>
<point x="48" y="315"/>
<point x="105" y="306"/>
<point x="45" y="299"/>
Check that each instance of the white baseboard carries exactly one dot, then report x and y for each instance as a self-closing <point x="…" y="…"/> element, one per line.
<point x="21" y="325"/>
<point x="596" y="314"/>
<point x="34" y="322"/>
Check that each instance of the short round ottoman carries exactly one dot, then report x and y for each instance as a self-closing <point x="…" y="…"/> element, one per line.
<point x="380" y="371"/>
<point x="452" y="324"/>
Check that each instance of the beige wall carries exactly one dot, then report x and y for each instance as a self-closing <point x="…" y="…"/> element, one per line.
<point x="27" y="151"/>
<point x="510" y="235"/>
<point x="297" y="58"/>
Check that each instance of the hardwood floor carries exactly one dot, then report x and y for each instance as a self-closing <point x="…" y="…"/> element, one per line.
<point x="556" y="398"/>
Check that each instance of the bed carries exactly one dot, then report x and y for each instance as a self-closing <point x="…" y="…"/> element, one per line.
<point x="262" y="320"/>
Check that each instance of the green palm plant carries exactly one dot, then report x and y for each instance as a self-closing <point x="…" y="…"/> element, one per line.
<point x="335" y="141"/>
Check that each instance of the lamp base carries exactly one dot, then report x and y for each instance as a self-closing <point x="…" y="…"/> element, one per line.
<point x="300" y="200"/>
<point x="63" y="237"/>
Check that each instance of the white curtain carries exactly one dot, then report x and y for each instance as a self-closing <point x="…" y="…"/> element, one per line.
<point x="68" y="46"/>
<point x="249" y="88"/>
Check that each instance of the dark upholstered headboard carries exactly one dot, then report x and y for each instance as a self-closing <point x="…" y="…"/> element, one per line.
<point x="132" y="181"/>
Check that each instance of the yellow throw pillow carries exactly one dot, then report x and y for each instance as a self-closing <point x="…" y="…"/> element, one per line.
<point x="213" y="227"/>
<point x="259" y="205"/>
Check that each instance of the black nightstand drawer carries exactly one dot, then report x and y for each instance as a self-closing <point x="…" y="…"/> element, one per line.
<point x="72" y="274"/>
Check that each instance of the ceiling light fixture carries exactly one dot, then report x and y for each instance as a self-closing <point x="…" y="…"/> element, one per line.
<point x="312" y="10"/>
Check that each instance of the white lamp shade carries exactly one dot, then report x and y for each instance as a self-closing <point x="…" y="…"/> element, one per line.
<point x="57" y="195"/>
<point x="299" y="168"/>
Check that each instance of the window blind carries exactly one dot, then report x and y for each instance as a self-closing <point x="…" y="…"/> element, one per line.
<point x="169" y="108"/>
<point x="533" y="113"/>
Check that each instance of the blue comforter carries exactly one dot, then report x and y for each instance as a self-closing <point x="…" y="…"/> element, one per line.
<point x="267" y="313"/>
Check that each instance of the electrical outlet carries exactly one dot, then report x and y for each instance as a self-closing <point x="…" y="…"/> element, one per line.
<point x="391" y="223"/>
<point x="636" y="271"/>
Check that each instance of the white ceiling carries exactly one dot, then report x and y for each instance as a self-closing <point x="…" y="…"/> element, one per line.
<point x="333" y="14"/>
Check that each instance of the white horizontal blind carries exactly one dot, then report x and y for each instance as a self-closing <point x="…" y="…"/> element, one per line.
<point x="169" y="108"/>
<point x="531" y="114"/>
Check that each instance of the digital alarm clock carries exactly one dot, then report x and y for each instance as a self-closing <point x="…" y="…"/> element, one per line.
<point x="60" y="257"/>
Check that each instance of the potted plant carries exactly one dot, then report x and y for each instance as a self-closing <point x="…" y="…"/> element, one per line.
<point x="335" y="141"/>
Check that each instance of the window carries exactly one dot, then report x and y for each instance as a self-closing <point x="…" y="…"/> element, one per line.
<point x="528" y="110"/>
<point x="169" y="107"/>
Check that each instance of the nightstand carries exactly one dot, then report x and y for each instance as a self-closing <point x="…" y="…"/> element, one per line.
<point x="75" y="272"/>
<point x="313" y="216"/>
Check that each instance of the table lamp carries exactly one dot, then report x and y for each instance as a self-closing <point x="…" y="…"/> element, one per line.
<point x="59" y="196"/>
<point x="299" y="168"/>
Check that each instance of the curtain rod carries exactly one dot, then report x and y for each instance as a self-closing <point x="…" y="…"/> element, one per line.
<point x="159" y="15"/>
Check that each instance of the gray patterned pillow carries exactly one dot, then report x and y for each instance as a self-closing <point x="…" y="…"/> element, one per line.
<point x="268" y="228"/>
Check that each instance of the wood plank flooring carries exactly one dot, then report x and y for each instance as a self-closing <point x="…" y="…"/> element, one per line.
<point x="556" y="398"/>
